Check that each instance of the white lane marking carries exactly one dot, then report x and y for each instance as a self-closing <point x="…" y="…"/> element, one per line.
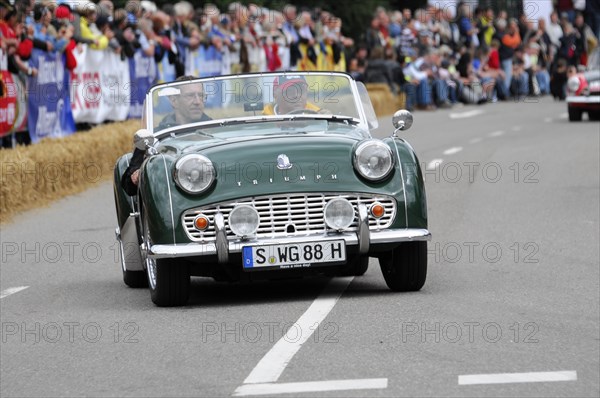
<point x="309" y="386"/>
<point x="548" y="120"/>
<point x="453" y="150"/>
<point x="434" y="164"/>
<point x="517" y="128"/>
<point x="464" y="115"/>
<point x="530" y="377"/>
<point x="497" y="133"/>
<point x="12" y="290"/>
<point x="563" y="116"/>
<point x="475" y="140"/>
<point x="275" y="361"/>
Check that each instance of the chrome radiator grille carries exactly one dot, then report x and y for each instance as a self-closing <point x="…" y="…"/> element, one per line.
<point x="288" y="214"/>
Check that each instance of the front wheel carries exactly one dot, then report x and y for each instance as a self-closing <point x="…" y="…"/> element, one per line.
<point x="405" y="268"/>
<point x="575" y="114"/>
<point x="169" y="281"/>
<point x="357" y="266"/>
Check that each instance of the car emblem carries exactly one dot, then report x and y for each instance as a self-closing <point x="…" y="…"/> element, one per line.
<point x="283" y="162"/>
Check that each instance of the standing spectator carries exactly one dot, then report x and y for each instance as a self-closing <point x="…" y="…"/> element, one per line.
<point x="408" y="40"/>
<point x="377" y="70"/>
<point x="307" y="42"/>
<point x="592" y="12"/>
<point x="485" y="27"/>
<point x="373" y="37"/>
<point x="124" y="34"/>
<point x="89" y="30"/>
<point x="555" y="33"/>
<point x="509" y="41"/>
<point x="42" y="31"/>
<point x="291" y="34"/>
<point x="182" y="37"/>
<point x="468" y="33"/>
<point x="585" y="40"/>
<point x="568" y="49"/>
<point x="11" y="34"/>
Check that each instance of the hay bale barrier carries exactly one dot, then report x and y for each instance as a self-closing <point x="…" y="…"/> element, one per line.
<point x="384" y="101"/>
<point x="36" y="175"/>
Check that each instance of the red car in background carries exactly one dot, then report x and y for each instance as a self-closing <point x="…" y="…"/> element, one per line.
<point x="583" y="90"/>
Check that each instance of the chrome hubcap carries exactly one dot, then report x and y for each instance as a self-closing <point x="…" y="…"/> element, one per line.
<point x="150" y="262"/>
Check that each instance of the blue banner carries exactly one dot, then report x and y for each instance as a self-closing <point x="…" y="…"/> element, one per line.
<point x="49" y="104"/>
<point x="142" y="71"/>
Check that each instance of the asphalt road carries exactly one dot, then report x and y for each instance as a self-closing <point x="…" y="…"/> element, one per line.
<point x="510" y="306"/>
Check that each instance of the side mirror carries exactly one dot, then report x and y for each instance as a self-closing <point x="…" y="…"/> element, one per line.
<point x="143" y="139"/>
<point x="402" y="120"/>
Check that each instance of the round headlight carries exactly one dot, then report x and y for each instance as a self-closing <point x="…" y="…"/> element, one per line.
<point x="339" y="214"/>
<point x="243" y="220"/>
<point x="373" y="160"/>
<point x="573" y="84"/>
<point x="194" y="173"/>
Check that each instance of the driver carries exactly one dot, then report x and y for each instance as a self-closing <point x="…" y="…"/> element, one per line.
<point x="188" y="107"/>
<point x="290" y="93"/>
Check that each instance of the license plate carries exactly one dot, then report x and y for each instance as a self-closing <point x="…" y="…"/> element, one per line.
<point x="295" y="255"/>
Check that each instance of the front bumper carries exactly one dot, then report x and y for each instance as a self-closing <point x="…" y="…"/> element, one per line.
<point x="584" y="101"/>
<point x="362" y="241"/>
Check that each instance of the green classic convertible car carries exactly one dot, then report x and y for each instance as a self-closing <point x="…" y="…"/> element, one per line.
<point x="267" y="176"/>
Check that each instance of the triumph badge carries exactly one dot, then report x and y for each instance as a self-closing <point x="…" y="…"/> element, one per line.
<point x="283" y="162"/>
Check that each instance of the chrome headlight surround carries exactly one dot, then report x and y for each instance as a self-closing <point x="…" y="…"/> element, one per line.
<point x="244" y="220"/>
<point x="373" y="160"/>
<point x="339" y="214"/>
<point x="194" y="173"/>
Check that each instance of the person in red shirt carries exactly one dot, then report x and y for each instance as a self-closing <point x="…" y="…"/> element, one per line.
<point x="494" y="66"/>
<point x="11" y="29"/>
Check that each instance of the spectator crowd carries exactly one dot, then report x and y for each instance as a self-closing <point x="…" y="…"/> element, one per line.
<point x="436" y="58"/>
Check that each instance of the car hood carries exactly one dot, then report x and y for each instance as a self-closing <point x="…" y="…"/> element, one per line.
<point x="278" y="164"/>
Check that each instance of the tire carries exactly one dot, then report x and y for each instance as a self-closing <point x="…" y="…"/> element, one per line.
<point x="594" y="115"/>
<point x="168" y="280"/>
<point x="171" y="286"/>
<point x="357" y="267"/>
<point x="575" y="114"/>
<point x="405" y="268"/>
<point x="135" y="279"/>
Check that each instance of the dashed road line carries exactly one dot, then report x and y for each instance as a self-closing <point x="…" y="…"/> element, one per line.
<point x="505" y="378"/>
<point x="309" y="386"/>
<point x="272" y="365"/>
<point x="453" y="150"/>
<point x="517" y="128"/>
<point x="497" y="133"/>
<point x="464" y="115"/>
<point x="12" y="290"/>
<point x="434" y="163"/>
<point x="475" y="140"/>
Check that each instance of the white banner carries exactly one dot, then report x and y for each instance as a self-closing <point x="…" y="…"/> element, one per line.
<point x="536" y="9"/>
<point x="101" y="87"/>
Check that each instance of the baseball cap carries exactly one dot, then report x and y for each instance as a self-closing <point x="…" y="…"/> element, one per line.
<point x="288" y="80"/>
<point x="63" y="12"/>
